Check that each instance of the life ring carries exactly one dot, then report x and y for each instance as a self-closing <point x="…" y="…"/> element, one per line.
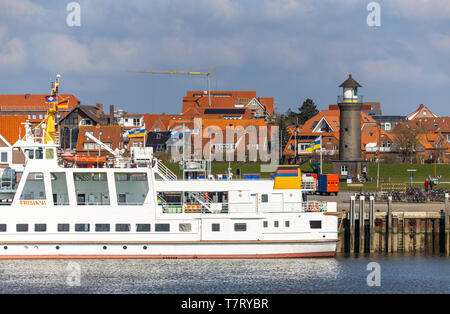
<point x="315" y="208"/>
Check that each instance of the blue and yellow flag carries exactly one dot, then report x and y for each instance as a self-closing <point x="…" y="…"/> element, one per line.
<point x="314" y="145"/>
<point x="139" y="132"/>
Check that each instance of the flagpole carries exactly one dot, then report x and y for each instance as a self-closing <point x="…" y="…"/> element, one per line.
<point x="321" y="154"/>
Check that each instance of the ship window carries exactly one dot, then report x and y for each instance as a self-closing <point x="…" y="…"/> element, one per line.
<point x="215" y="227"/>
<point x="40" y="227"/>
<point x="82" y="227"/>
<point x="102" y="227"/>
<point x="162" y="227"/>
<point x="29" y="153"/>
<point x="240" y="227"/>
<point x="143" y="227"/>
<point x="276" y="224"/>
<point x="265" y="224"/>
<point x="131" y="188"/>
<point x="59" y="188"/>
<point x="123" y="227"/>
<point x="34" y="188"/>
<point x="92" y="188"/>
<point x="39" y="153"/>
<point x="264" y="198"/>
<point x="287" y="223"/>
<point x="2" y="227"/>
<point x="49" y="153"/>
<point x="63" y="227"/>
<point x="315" y="224"/>
<point x="22" y="227"/>
<point x="185" y="227"/>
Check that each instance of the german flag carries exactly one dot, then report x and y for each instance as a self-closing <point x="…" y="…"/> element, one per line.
<point x="63" y="104"/>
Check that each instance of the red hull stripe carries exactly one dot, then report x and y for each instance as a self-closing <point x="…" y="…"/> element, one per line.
<point x="237" y="256"/>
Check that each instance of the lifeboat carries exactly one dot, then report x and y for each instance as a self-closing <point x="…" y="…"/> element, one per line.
<point x="85" y="160"/>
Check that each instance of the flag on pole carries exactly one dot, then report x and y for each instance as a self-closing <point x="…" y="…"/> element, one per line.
<point x="138" y="132"/>
<point x="314" y="145"/>
<point x="177" y="132"/>
<point x="63" y="104"/>
<point x="51" y="99"/>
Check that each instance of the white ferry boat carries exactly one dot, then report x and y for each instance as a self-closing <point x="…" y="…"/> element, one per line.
<point x="138" y="209"/>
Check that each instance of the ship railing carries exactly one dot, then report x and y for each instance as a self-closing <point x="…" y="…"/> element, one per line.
<point x="164" y="172"/>
<point x="314" y="206"/>
<point x="179" y="208"/>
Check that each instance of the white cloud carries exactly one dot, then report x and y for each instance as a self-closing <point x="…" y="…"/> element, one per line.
<point x="399" y="71"/>
<point x="418" y="9"/>
<point x="12" y="51"/>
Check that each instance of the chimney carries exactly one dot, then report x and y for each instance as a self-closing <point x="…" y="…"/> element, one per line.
<point x="100" y="109"/>
<point x="112" y="120"/>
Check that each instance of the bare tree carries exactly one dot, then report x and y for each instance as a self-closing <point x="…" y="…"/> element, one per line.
<point x="406" y="142"/>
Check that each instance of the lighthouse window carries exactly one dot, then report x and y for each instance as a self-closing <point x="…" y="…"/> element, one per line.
<point x="34" y="188"/>
<point x="59" y="188"/>
<point x="131" y="188"/>
<point x="92" y="188"/>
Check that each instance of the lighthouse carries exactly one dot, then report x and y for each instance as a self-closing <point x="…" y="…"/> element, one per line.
<point x="350" y="104"/>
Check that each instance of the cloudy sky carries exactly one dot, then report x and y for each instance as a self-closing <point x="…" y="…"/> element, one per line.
<point x="287" y="49"/>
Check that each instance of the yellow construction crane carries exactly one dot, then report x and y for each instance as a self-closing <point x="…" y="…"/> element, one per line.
<point x="181" y="72"/>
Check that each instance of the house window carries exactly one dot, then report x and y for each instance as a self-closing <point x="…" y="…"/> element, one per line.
<point x="344" y="170"/>
<point x="387" y="126"/>
<point x="3" y="157"/>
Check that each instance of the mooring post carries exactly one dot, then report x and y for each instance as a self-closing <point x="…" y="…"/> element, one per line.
<point x="352" y="224"/>
<point x="447" y="225"/>
<point x="361" y="224"/>
<point x="372" y="223"/>
<point x="389" y="224"/>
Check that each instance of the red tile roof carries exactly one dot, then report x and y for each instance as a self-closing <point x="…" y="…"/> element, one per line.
<point x="11" y="127"/>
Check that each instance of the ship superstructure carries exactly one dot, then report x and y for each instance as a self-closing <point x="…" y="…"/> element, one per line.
<point x="138" y="208"/>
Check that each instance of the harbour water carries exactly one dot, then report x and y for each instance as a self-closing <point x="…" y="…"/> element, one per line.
<point x="343" y="275"/>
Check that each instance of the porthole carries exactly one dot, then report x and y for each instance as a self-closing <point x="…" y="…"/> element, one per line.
<point x="104" y="247"/>
<point x="144" y="247"/>
<point x="57" y="247"/>
<point x="124" y="247"/>
<point x="5" y="247"/>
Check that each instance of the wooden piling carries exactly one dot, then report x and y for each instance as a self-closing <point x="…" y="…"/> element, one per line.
<point x="361" y="224"/>
<point x="447" y="226"/>
<point x="352" y="224"/>
<point x="372" y="224"/>
<point x="389" y="225"/>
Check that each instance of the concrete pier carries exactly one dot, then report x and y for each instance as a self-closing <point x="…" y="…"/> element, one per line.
<point x="393" y="231"/>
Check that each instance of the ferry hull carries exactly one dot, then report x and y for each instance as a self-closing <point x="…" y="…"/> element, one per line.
<point x="200" y="250"/>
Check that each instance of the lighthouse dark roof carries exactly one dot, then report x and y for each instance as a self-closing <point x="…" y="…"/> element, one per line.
<point x="350" y="82"/>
